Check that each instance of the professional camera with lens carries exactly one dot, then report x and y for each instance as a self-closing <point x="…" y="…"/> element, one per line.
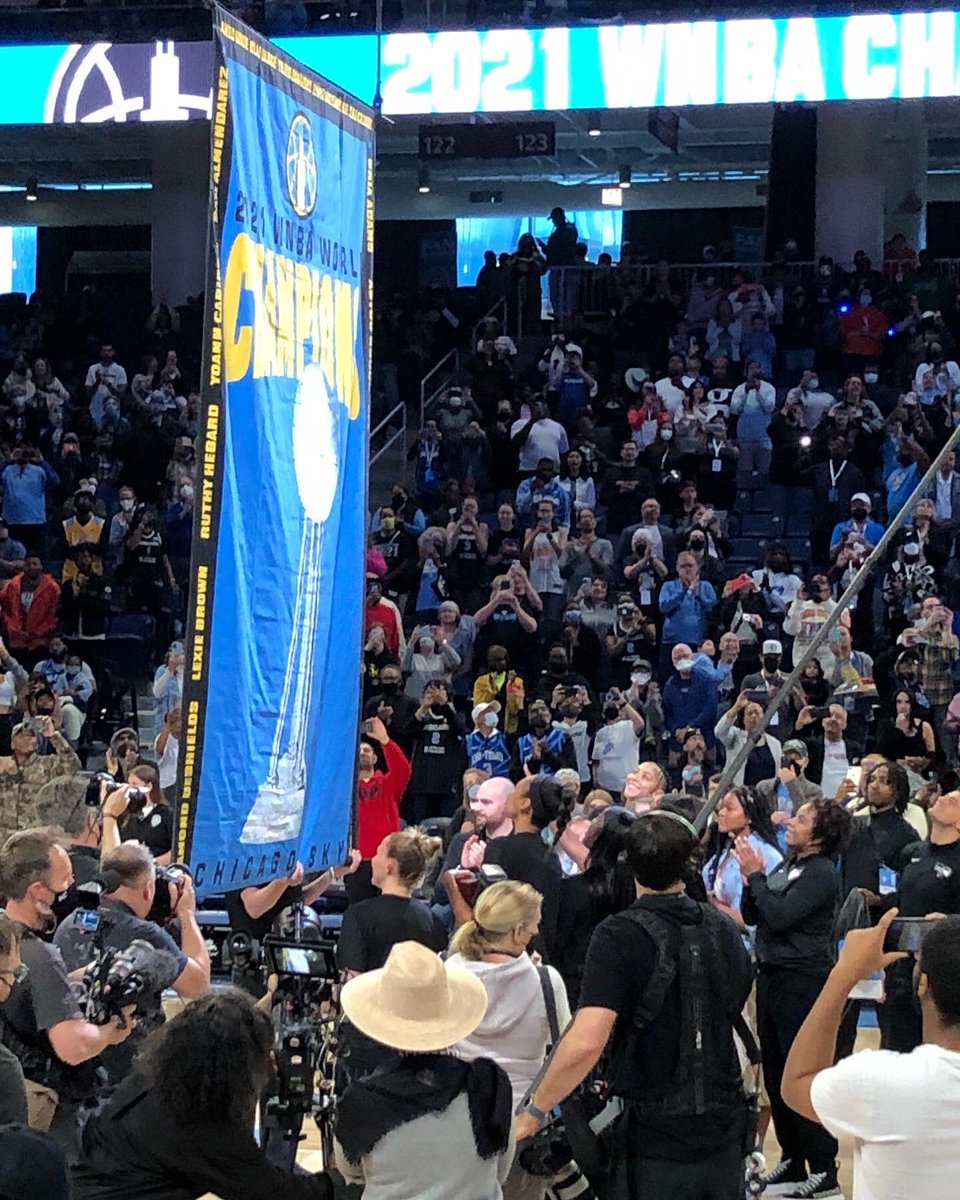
<point x="171" y="881"/>
<point x="306" y="1020"/>
<point x="114" y="979"/>
<point x="137" y="798"/>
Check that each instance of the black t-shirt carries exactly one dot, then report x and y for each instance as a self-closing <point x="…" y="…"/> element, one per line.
<point x="526" y="858"/>
<point x="373" y="927"/>
<point x="258" y="927"/>
<point x="930" y="881"/>
<point x="620" y="963"/>
<point x="34" y="1006"/>
<point x="154" y="829"/>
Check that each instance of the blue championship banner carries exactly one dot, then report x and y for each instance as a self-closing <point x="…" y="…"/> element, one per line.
<point x="272" y="691"/>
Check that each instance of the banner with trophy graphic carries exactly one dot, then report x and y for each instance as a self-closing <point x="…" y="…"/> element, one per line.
<point x="272" y="679"/>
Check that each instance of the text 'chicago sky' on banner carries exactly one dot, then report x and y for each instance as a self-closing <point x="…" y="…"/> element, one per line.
<point x="272" y="694"/>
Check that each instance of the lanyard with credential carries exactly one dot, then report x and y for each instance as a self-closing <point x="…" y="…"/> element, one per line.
<point x="832" y="495"/>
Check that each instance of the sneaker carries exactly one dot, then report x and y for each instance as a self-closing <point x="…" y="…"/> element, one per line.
<point x="782" y="1179"/>
<point x="817" y="1187"/>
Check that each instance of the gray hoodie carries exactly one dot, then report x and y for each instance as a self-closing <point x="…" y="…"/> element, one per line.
<point x="514" y="1031"/>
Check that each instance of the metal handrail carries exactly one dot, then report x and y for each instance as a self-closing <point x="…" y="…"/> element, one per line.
<point x="401" y="433"/>
<point x="449" y="362"/>
<point x="497" y="312"/>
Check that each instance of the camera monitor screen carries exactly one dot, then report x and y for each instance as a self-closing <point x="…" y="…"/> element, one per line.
<point x="313" y="961"/>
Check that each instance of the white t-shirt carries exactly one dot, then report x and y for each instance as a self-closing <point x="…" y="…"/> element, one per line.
<point x="546" y="439"/>
<point x="903" y="1110"/>
<point x="616" y="751"/>
<point x="671" y="395"/>
<point x="116" y="375"/>
<point x="835" y="767"/>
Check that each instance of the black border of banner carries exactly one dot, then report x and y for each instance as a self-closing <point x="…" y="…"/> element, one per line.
<point x="209" y="484"/>
<point x="232" y="38"/>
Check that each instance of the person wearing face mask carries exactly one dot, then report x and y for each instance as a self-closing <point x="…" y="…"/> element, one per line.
<point x="558" y="680"/>
<point x="753" y="402"/>
<point x="120" y="522"/>
<point x="631" y="640"/>
<point x="572" y="723"/>
<point x="39" y="1018"/>
<point x="862" y="331"/>
<point x="545" y="748"/>
<point x="908" y="582"/>
<point x="663" y="541"/>
<point x="665" y="462"/>
<point x="810" y="610"/>
<point x="946" y="372"/>
<point x="423" y="661"/>
<point x="393" y="708"/>
<point x="689" y="700"/>
<point x="777" y="581"/>
<point x="456" y="411"/>
<point x="487" y="747"/>
<point x="859" y="527"/>
<point x="82" y="529"/>
<point x="770" y="679"/>
<point x="616" y="745"/>
<point x="439" y="755"/>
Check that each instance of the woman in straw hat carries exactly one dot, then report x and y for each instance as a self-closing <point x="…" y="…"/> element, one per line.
<point x="429" y="1125"/>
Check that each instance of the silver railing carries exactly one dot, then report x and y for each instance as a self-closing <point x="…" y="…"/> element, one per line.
<point x="382" y="433"/>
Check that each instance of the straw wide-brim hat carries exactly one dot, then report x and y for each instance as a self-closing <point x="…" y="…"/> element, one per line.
<point x="415" y="1002"/>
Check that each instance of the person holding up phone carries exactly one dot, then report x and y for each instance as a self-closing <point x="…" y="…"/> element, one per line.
<point x="929" y="885"/>
<point x="899" y="1108"/>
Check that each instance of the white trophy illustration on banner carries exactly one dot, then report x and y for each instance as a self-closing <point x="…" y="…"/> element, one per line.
<point x="278" y="811"/>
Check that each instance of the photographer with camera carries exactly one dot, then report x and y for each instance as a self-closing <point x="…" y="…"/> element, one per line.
<point x="130" y="880"/>
<point x="40" y="1020"/>
<point x="24" y="771"/>
<point x="138" y="811"/>
<point x="182" y="1123"/>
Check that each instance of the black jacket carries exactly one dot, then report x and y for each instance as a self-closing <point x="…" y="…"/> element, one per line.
<point x="134" y="1148"/>
<point x="793" y="909"/>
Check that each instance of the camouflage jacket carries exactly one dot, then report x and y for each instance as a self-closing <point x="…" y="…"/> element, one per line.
<point x="20" y="783"/>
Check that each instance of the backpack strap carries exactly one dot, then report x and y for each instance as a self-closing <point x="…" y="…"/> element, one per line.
<point x="550" y="1004"/>
<point x="664" y="970"/>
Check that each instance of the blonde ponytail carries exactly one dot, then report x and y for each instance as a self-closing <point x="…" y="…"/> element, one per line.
<point x="498" y="911"/>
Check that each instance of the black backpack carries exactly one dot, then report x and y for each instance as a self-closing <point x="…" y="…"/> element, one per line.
<point x="707" y="1076"/>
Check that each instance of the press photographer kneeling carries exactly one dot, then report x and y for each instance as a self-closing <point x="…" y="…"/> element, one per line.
<point x="40" y="1020"/>
<point x="131" y="879"/>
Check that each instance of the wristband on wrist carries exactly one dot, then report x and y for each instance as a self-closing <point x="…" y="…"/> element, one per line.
<point x="535" y="1112"/>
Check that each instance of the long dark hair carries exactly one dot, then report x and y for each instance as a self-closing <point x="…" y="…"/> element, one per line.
<point x="211" y="1061"/>
<point x="607" y="875"/>
<point x="757" y="817"/>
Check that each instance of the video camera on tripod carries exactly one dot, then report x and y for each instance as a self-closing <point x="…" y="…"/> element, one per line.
<point x="115" y="979"/>
<point x="306" y="1019"/>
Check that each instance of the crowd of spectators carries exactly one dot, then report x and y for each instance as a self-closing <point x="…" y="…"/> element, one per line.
<point x="605" y="558"/>
<point x="609" y="555"/>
